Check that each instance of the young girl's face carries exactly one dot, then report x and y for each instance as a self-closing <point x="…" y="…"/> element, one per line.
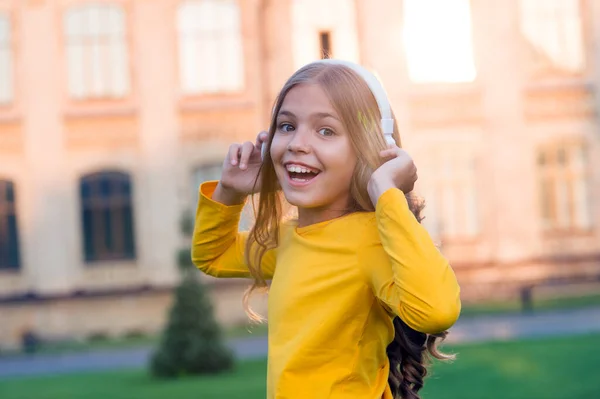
<point x="311" y="152"/>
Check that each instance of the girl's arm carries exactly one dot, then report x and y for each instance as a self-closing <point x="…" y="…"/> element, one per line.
<point x="410" y="277"/>
<point x="217" y="246"/>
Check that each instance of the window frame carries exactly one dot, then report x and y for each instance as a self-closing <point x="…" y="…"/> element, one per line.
<point x="10" y="111"/>
<point x="5" y="214"/>
<point x="552" y="174"/>
<point x="90" y="106"/>
<point x="10" y="49"/>
<point x="458" y="176"/>
<point x="340" y="18"/>
<point x="326" y="46"/>
<point x="94" y="252"/>
<point x="549" y="73"/>
<point x="185" y="93"/>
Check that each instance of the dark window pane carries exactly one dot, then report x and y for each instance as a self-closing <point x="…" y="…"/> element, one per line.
<point x="107" y="223"/>
<point x="9" y="232"/>
<point x="105" y="189"/>
<point x="10" y="194"/>
<point x="85" y="190"/>
<point x="13" y="242"/>
<point x="116" y="232"/>
<point x="88" y="234"/>
<point x="3" y="242"/>
<point x="126" y="188"/>
<point x="107" y="216"/>
<point x="128" y="232"/>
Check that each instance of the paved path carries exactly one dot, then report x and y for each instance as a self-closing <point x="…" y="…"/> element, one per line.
<point x="245" y="348"/>
<point x="483" y="328"/>
<point x="508" y="327"/>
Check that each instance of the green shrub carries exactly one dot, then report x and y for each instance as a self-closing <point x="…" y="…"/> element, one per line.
<point x="192" y="342"/>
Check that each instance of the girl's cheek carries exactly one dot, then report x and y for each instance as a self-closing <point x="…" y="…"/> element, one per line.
<point x="275" y="148"/>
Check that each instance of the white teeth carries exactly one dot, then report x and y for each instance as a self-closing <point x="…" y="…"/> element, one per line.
<point x="297" y="169"/>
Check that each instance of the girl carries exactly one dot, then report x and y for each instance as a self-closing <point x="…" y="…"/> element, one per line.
<point x="358" y="290"/>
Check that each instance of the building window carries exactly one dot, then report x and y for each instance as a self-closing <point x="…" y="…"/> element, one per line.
<point x="325" y="40"/>
<point x="211" y="55"/>
<point x="107" y="216"/>
<point x="323" y="29"/>
<point x="9" y="232"/>
<point x="96" y="49"/>
<point x="6" y="61"/>
<point x="564" y="187"/>
<point x="203" y="174"/>
<point x="450" y="193"/>
<point x="553" y="31"/>
<point x="438" y="41"/>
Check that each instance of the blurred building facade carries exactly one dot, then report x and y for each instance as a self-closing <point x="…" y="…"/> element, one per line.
<point x="113" y="111"/>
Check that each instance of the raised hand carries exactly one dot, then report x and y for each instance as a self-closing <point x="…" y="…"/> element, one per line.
<point x="398" y="171"/>
<point x="240" y="172"/>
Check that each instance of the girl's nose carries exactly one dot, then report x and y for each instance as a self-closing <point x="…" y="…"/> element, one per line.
<point x="300" y="141"/>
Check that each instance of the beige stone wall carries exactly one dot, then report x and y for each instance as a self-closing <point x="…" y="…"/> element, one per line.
<point x="115" y="316"/>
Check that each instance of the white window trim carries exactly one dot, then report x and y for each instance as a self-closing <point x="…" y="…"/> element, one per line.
<point x="7" y="85"/>
<point x="211" y="51"/>
<point x="96" y="51"/>
<point x="556" y="29"/>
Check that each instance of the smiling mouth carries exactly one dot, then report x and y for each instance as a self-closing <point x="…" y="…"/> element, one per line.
<point x="301" y="174"/>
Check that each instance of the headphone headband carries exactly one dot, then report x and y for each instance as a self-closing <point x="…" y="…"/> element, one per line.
<point x="387" y="122"/>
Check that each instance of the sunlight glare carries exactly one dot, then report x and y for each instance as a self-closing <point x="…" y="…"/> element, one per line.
<point x="438" y="42"/>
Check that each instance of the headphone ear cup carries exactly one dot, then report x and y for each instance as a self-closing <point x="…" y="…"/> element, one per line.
<point x="390" y="140"/>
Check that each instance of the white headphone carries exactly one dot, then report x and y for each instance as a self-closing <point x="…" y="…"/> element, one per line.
<point x="387" y="122"/>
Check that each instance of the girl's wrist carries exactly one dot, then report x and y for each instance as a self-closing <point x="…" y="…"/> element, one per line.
<point x="377" y="186"/>
<point x="227" y="196"/>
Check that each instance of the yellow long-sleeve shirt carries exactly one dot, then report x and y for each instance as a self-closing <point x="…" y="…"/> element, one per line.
<point x="335" y="289"/>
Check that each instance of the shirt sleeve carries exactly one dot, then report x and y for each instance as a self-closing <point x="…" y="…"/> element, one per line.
<point x="217" y="247"/>
<point x="410" y="276"/>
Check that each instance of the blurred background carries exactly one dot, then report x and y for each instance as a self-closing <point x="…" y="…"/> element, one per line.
<point x="112" y="112"/>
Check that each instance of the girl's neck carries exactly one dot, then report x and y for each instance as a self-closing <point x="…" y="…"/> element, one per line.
<point x="310" y="216"/>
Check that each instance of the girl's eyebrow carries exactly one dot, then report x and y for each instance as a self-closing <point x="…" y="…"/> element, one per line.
<point x="286" y="113"/>
<point x="323" y="115"/>
<point x="320" y="115"/>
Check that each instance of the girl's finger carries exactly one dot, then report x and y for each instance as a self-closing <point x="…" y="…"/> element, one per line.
<point x="261" y="138"/>
<point x="234" y="151"/>
<point x="389" y="153"/>
<point x="245" y="151"/>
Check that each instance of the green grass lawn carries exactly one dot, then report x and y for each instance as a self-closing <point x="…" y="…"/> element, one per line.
<point x="537" y="369"/>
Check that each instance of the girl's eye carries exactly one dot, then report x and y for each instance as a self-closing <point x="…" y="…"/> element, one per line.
<point x="286" y="127"/>
<point x="326" y="132"/>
